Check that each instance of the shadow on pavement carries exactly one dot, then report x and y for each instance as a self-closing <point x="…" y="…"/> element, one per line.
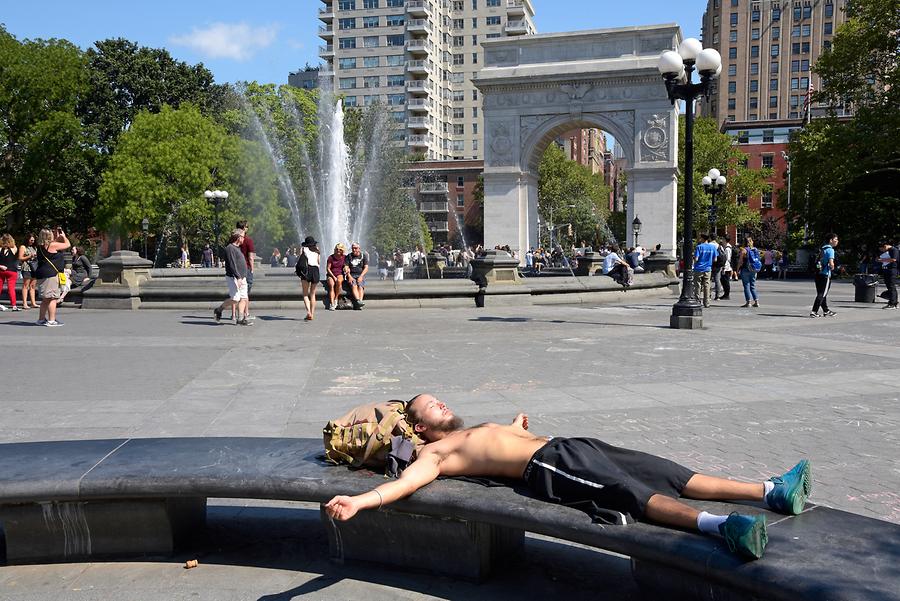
<point x="586" y="323"/>
<point x="23" y="324"/>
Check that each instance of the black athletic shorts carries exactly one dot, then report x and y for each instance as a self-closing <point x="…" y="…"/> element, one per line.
<point x="585" y="471"/>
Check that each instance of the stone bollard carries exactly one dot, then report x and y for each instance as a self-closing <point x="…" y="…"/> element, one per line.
<point x="589" y="264"/>
<point x="118" y="285"/>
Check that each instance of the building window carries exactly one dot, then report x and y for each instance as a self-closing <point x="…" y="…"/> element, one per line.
<point x="775" y="49"/>
<point x="773" y="84"/>
<point x="829" y="10"/>
<point x="767" y="197"/>
<point x="393" y="60"/>
<point x="396" y="40"/>
<point x="370" y="62"/>
<point x="773" y="102"/>
<point x="395" y="3"/>
<point x="795" y="48"/>
<point x="347" y="23"/>
<point x="754" y="33"/>
<point x="495" y="20"/>
<point x="715" y="20"/>
<point x="797" y="13"/>
<point x="773" y="67"/>
<point x="732" y="36"/>
<point x="768" y="136"/>
<point x="754" y="68"/>
<point x="754" y="51"/>
<point x="795" y="83"/>
<point x="460" y="200"/>
<point x="395" y="81"/>
<point x="804" y="65"/>
<point x="754" y="102"/>
<point x="806" y="30"/>
<point x="459" y="41"/>
<point x="754" y="85"/>
<point x="804" y="48"/>
<point x="743" y="136"/>
<point x="807" y="11"/>
<point x="475" y="128"/>
<point x="347" y="43"/>
<point x="732" y="104"/>
<point x="776" y="14"/>
<point x="742" y="200"/>
<point x="776" y="33"/>
<point x="826" y="45"/>
<point x="795" y="101"/>
<point x="795" y="66"/>
<point x="734" y="19"/>
<point x="732" y="87"/>
<point x="347" y="83"/>
<point x="827" y="30"/>
<point x="396" y="20"/>
<point x="347" y="5"/>
<point x="459" y="59"/>
<point x="804" y="83"/>
<point x="735" y="2"/>
<point x="754" y="16"/>
<point x="732" y="53"/>
<point x="370" y="4"/>
<point x="347" y="63"/>
<point x="731" y="118"/>
<point x="795" y="31"/>
<point x="349" y="100"/>
<point x="370" y="100"/>
<point x="732" y="70"/>
<point x="396" y="100"/>
<point x="474" y="58"/>
<point x="459" y="113"/>
<point x="370" y="22"/>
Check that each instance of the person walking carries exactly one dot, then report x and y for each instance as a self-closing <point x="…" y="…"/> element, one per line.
<point x="769" y="263"/>
<point x="51" y="263"/>
<point x="704" y="257"/>
<point x="727" y="269"/>
<point x="890" y="262"/>
<point x="749" y="264"/>
<point x="28" y="259"/>
<point x="249" y="252"/>
<point x="310" y="276"/>
<point x="236" y="277"/>
<point x="207" y="260"/>
<point x="824" y="267"/>
<point x="9" y="269"/>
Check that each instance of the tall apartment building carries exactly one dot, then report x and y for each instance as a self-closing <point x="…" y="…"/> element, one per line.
<point x="418" y="57"/>
<point x="768" y="48"/>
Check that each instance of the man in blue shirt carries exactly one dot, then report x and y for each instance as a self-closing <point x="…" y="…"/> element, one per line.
<point x="824" y="267"/>
<point x="704" y="257"/>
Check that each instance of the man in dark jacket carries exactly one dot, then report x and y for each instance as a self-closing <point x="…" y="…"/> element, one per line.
<point x="890" y="262"/>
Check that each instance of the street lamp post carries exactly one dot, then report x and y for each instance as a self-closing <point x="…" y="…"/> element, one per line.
<point x="714" y="183"/>
<point x="145" y="227"/>
<point x="216" y="198"/>
<point x="636" y="229"/>
<point x="677" y="69"/>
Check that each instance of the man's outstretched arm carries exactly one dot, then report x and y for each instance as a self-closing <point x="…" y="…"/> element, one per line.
<point x="423" y="470"/>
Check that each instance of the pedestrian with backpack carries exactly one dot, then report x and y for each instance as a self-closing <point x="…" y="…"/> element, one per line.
<point x="824" y="267"/>
<point x="749" y="265"/>
<point x="727" y="268"/>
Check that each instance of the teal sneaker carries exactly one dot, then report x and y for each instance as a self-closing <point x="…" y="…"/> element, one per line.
<point x="745" y="534"/>
<point x="791" y="490"/>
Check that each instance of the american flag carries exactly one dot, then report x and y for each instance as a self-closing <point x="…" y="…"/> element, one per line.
<point x="807" y="101"/>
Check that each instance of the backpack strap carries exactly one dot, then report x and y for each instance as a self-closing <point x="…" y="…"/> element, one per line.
<point x="384" y="429"/>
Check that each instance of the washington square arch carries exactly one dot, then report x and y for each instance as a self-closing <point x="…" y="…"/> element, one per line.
<point x="535" y="88"/>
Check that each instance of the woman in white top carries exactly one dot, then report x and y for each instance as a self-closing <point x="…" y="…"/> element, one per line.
<point x="309" y="277"/>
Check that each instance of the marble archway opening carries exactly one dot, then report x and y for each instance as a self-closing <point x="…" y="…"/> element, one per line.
<point x="535" y="88"/>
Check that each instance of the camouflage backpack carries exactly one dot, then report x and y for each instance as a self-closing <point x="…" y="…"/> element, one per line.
<point x="376" y="436"/>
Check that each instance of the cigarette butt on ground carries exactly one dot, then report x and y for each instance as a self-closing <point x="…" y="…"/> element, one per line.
<point x="192" y="563"/>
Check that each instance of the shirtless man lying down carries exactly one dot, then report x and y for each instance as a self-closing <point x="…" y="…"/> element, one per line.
<point x="568" y="470"/>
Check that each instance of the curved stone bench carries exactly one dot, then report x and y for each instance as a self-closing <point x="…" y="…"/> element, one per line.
<point x="79" y="499"/>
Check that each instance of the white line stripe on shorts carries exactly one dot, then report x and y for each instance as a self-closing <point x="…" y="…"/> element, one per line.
<point x="565" y="475"/>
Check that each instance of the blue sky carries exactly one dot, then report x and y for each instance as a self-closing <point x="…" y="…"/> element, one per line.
<point x="264" y="40"/>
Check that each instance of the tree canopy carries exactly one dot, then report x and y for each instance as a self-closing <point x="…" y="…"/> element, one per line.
<point x="846" y="172"/>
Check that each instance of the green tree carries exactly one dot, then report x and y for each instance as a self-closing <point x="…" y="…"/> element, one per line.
<point x="713" y="149"/>
<point x="126" y="79"/>
<point x="846" y="172"/>
<point x="165" y="161"/>
<point x="562" y="183"/>
<point x="45" y="158"/>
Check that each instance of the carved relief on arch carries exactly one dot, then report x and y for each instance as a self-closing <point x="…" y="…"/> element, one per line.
<point x="500" y="144"/>
<point x="655" y="138"/>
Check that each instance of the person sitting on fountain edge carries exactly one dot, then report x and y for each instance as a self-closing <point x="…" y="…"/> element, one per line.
<point x="572" y="470"/>
<point x="356" y="267"/>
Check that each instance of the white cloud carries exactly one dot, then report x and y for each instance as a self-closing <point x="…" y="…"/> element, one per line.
<point x="238" y="41"/>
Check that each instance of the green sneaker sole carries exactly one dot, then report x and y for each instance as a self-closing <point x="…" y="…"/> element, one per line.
<point x="753" y="542"/>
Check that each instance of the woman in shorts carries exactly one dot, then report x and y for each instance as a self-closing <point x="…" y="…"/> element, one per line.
<point x="28" y="258"/>
<point x="311" y="277"/>
<point x="50" y="263"/>
<point x="335" y="270"/>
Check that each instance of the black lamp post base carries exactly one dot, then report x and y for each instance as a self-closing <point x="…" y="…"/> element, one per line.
<point x="687" y="316"/>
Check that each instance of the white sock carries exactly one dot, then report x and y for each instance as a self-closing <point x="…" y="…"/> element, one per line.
<point x="768" y="486"/>
<point x="709" y="523"/>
